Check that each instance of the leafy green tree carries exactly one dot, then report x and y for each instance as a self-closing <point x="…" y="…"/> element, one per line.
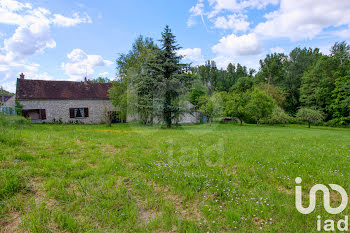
<point x="211" y="106"/>
<point x="208" y="75"/>
<point x="299" y="61"/>
<point x="241" y="71"/>
<point x="101" y="80"/>
<point x="278" y="116"/>
<point x="5" y="93"/>
<point x="341" y="96"/>
<point x="309" y="115"/>
<point x="131" y="93"/>
<point x="318" y="84"/>
<point x="259" y="105"/>
<point x="235" y="105"/>
<point x="227" y="78"/>
<point x="198" y="90"/>
<point x="118" y="95"/>
<point x="243" y="84"/>
<point x="272" y="69"/>
<point x="341" y="51"/>
<point x="276" y="93"/>
<point x="135" y="59"/>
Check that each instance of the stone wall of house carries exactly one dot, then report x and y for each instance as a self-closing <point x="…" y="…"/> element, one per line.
<point x="190" y="118"/>
<point x="10" y="102"/>
<point x="59" y="109"/>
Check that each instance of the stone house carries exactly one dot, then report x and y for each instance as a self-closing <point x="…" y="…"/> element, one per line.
<point x="8" y="101"/>
<point x="66" y="101"/>
<point x="48" y="101"/>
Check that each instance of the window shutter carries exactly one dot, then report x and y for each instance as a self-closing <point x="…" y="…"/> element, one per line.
<point x="71" y="112"/>
<point x="86" y="112"/>
<point x="43" y="114"/>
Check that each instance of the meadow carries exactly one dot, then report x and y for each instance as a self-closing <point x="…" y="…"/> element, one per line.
<point x="194" y="178"/>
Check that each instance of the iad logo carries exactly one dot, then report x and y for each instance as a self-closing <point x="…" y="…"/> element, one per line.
<point x="326" y="198"/>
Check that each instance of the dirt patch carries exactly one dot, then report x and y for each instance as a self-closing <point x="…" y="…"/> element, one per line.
<point x="227" y="170"/>
<point x="109" y="149"/>
<point x="39" y="195"/>
<point x="259" y="221"/>
<point x="146" y="215"/>
<point x="186" y="209"/>
<point x="11" y="224"/>
<point x="284" y="190"/>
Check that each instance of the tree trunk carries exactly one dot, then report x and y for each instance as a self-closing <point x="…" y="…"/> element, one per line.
<point x="167" y="110"/>
<point x="309" y="124"/>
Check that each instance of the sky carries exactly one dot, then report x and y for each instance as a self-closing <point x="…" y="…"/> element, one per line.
<point x="71" y="39"/>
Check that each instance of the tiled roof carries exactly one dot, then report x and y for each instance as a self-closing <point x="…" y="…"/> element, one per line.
<point x="67" y="90"/>
<point x="6" y="97"/>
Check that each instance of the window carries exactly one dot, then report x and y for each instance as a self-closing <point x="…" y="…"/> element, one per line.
<point x="79" y="112"/>
<point x="34" y="114"/>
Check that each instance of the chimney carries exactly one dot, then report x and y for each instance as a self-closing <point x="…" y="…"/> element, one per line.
<point x="21" y="76"/>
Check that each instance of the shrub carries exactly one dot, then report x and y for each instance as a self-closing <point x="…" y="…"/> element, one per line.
<point x="340" y="121"/>
<point x="278" y="116"/>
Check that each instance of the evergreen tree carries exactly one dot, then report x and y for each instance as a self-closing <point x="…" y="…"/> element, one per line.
<point x="170" y="79"/>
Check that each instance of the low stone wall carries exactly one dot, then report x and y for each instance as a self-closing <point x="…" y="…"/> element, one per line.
<point x="59" y="109"/>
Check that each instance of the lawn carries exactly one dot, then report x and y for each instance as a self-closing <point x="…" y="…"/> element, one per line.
<point x="195" y="178"/>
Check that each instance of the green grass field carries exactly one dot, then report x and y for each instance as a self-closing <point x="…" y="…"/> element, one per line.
<point x="195" y="178"/>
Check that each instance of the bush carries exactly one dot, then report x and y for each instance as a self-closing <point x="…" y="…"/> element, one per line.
<point x="341" y="121"/>
<point x="278" y="116"/>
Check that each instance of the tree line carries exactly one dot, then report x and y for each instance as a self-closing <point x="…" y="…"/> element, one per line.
<point x="304" y="85"/>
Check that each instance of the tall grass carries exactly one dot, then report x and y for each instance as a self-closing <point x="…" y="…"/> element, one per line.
<point x="13" y="121"/>
<point x="194" y="178"/>
<point x="10" y="129"/>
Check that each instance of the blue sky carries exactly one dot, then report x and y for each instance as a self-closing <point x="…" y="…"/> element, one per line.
<point x="64" y="40"/>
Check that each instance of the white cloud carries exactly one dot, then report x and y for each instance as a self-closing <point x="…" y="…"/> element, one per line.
<point x="103" y="74"/>
<point x="33" y="29"/>
<point x="235" y="6"/>
<point x="345" y="33"/>
<point x="277" y="50"/>
<point x="191" y="22"/>
<point x="81" y="64"/>
<point x="32" y="36"/>
<point x="64" y="21"/>
<point x="9" y="73"/>
<point x="194" y="55"/>
<point x="13" y="5"/>
<point x="27" y="41"/>
<point x="233" y="45"/>
<point x="249" y="62"/>
<point x="197" y="10"/>
<point x="236" y="22"/>
<point x="305" y="19"/>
